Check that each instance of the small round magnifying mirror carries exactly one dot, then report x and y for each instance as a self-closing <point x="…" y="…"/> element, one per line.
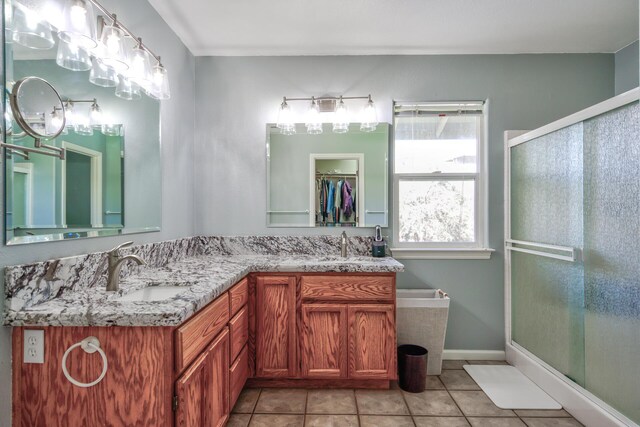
<point x="37" y="108"/>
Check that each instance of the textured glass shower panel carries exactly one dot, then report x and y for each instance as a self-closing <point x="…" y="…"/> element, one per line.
<point x="546" y="188"/>
<point x="546" y="207"/>
<point x="612" y="258"/>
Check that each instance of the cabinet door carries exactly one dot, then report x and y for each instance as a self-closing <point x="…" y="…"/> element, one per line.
<point x="217" y="392"/>
<point x="275" y="326"/>
<point x="372" y="344"/>
<point x="324" y="341"/>
<point x="203" y="390"/>
<point x="191" y="391"/>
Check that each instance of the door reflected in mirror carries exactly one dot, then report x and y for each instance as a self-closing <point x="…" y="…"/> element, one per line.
<point x="327" y="180"/>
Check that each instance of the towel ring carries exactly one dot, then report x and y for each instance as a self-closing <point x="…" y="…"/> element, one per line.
<point x="89" y="345"/>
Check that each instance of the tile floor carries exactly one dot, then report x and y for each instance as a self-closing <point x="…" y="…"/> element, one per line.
<point x="452" y="399"/>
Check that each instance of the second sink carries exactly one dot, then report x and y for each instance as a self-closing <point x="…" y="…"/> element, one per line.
<point x="152" y="293"/>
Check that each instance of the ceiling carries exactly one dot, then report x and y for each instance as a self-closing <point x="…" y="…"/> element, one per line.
<point x="372" y="27"/>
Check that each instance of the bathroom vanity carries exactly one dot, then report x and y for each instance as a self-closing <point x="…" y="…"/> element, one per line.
<point x="250" y="319"/>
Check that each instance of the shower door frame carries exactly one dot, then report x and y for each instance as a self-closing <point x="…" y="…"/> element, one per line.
<point x="582" y="404"/>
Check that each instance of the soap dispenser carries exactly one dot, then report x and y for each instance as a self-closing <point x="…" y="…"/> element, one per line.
<point x="378" y="246"/>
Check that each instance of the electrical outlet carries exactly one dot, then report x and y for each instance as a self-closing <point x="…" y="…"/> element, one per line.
<point x="33" y="346"/>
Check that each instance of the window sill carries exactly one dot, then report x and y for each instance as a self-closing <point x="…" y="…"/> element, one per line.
<point x="453" y="253"/>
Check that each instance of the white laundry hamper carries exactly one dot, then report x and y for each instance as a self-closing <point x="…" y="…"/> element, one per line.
<point x="421" y="319"/>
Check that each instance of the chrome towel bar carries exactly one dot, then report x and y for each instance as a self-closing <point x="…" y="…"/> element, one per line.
<point x="573" y="254"/>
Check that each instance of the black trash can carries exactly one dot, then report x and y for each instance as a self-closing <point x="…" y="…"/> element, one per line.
<point x="412" y="368"/>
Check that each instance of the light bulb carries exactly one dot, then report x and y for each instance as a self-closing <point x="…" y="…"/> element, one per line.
<point x="78" y="15"/>
<point x="95" y="115"/>
<point x="32" y="19"/>
<point x="56" y="119"/>
<point x="340" y="119"/>
<point x="113" y="44"/>
<point x="314" y="124"/>
<point x="369" y="117"/>
<point x="111" y="50"/>
<point x="78" y="24"/>
<point x="285" y="119"/>
<point x="140" y="67"/>
<point x="69" y="113"/>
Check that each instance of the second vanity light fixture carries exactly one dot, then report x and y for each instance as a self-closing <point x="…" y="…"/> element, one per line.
<point x="326" y="104"/>
<point x="80" y="48"/>
<point x="84" y="124"/>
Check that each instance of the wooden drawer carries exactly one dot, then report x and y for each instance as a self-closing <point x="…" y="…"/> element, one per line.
<point x="239" y="329"/>
<point x="348" y="288"/>
<point x="239" y="296"/>
<point x="193" y="336"/>
<point x="238" y="374"/>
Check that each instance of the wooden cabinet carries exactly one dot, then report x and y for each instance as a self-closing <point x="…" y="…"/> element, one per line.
<point x="324" y="341"/>
<point x="202" y="391"/>
<point x="276" y="327"/>
<point x="345" y="308"/>
<point x="283" y="329"/>
<point x="372" y="341"/>
<point x="345" y="327"/>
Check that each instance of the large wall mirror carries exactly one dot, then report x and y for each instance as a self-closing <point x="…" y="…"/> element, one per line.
<point x="109" y="181"/>
<point x="327" y="180"/>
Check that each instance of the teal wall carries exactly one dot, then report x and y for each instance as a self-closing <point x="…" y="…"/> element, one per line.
<point x="78" y="190"/>
<point x="523" y="92"/>
<point x="627" y="68"/>
<point x="47" y="183"/>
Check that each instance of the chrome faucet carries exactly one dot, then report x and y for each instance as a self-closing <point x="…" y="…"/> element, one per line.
<point x="343" y="244"/>
<point x="115" y="264"/>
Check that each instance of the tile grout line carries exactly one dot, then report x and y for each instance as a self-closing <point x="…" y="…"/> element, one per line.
<point x="454" y="400"/>
<point x="355" y="397"/>
<point x="306" y="404"/>
<point x="404" y="399"/>
<point x="253" y="411"/>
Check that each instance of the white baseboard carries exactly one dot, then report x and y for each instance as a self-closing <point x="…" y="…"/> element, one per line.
<point x="585" y="407"/>
<point x="473" y="355"/>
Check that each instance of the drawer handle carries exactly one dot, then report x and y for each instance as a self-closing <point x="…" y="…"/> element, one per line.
<point x="89" y="345"/>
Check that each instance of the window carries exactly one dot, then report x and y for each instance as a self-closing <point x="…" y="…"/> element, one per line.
<point x="439" y="194"/>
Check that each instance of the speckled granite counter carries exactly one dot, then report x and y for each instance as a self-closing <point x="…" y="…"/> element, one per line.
<point x="203" y="274"/>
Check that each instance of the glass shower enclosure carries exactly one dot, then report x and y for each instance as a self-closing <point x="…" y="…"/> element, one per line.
<point x="573" y="253"/>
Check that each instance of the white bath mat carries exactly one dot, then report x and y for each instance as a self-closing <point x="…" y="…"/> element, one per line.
<point x="508" y="388"/>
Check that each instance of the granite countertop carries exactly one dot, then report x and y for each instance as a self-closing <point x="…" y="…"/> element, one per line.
<point x="203" y="277"/>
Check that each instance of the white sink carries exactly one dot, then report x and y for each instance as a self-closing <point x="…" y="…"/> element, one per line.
<point x="152" y="293"/>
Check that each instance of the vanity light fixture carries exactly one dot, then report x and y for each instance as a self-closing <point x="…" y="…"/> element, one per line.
<point x="324" y="104"/>
<point x="84" y="124"/>
<point x="80" y="46"/>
